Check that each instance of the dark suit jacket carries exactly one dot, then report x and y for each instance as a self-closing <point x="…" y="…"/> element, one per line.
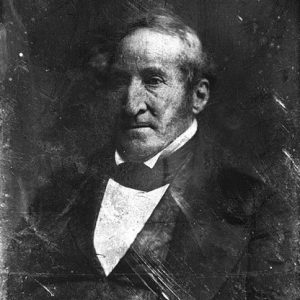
<point x="231" y="239"/>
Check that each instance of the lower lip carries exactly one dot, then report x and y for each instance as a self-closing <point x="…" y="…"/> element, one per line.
<point x="144" y="129"/>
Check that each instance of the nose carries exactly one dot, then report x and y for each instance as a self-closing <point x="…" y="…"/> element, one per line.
<point x="135" y="100"/>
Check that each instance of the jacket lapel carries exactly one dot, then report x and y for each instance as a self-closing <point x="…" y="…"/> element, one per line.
<point x="83" y="214"/>
<point x="206" y="250"/>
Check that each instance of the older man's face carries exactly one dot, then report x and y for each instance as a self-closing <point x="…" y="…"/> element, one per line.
<point x="149" y="85"/>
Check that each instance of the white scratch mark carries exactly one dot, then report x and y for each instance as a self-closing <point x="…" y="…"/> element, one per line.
<point x="165" y="296"/>
<point x="277" y="100"/>
<point x="290" y="158"/>
<point x="43" y="286"/>
<point x="240" y="18"/>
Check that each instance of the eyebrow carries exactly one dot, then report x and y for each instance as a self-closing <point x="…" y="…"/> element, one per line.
<point x="153" y="70"/>
<point x="116" y="69"/>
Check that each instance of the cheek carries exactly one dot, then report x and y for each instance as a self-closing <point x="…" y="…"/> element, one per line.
<point x="168" y="118"/>
<point x="175" y="103"/>
<point x="169" y="96"/>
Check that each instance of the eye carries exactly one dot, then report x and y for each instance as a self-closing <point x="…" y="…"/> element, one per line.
<point x="153" y="80"/>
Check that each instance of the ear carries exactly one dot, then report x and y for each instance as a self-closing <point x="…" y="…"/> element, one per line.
<point x="200" y="96"/>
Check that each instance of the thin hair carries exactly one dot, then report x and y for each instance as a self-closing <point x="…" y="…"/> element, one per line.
<point x="194" y="62"/>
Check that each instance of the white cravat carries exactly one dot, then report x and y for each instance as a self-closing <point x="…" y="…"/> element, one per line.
<point x="124" y="211"/>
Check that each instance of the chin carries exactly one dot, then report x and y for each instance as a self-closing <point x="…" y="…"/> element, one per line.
<point x="137" y="150"/>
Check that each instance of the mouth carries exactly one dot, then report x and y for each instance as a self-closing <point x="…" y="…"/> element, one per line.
<point x="138" y="125"/>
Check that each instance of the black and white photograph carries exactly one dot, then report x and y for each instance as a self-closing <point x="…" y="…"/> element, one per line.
<point x="149" y="150"/>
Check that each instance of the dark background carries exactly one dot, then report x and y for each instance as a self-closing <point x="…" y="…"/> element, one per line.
<point x="55" y="112"/>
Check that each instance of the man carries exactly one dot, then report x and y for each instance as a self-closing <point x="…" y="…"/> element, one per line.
<point x="164" y="213"/>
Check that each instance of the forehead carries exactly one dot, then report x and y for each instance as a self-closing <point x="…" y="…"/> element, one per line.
<point x="146" y="46"/>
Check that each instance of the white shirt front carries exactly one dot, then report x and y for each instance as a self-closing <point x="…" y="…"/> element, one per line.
<point x="124" y="211"/>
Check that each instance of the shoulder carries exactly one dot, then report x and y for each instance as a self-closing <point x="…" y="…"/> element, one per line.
<point x="38" y="242"/>
<point x="67" y="188"/>
<point x="232" y="187"/>
<point x="237" y="195"/>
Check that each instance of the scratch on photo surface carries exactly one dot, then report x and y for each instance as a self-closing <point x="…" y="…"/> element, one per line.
<point x="279" y="102"/>
<point x="290" y="158"/>
<point x="45" y="288"/>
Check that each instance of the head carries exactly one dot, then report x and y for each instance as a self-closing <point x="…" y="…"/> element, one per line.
<point x="158" y="77"/>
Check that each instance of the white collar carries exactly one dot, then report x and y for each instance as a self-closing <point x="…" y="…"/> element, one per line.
<point x="171" y="148"/>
